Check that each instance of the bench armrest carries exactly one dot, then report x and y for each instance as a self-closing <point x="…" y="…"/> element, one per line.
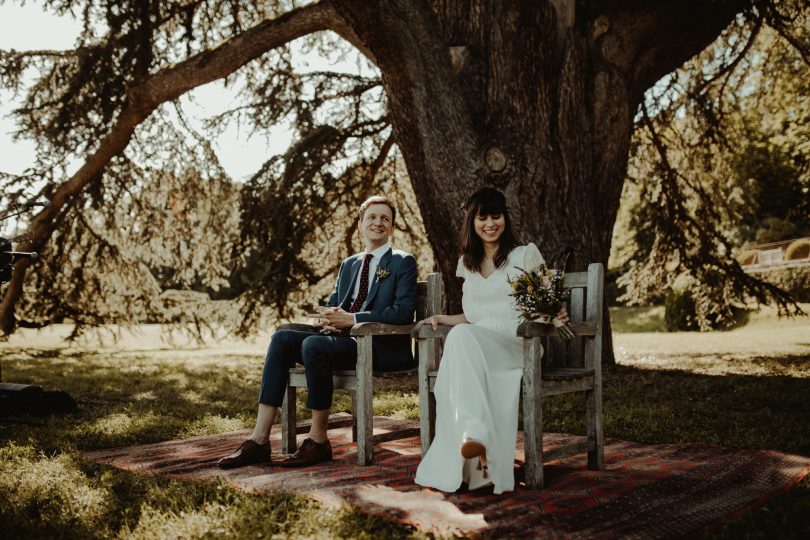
<point x="535" y="329"/>
<point x="380" y="329"/>
<point x="424" y="331"/>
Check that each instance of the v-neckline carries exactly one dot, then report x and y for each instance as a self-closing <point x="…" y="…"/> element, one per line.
<point x="490" y="275"/>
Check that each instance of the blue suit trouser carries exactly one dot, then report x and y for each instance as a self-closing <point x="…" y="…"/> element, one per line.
<point x="320" y="354"/>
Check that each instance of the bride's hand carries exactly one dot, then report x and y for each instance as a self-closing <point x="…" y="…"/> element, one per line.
<point x="562" y="316"/>
<point x="433" y="321"/>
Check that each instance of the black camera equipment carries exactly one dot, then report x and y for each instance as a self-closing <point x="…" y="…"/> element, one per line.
<point x="26" y="398"/>
<point x="8" y="258"/>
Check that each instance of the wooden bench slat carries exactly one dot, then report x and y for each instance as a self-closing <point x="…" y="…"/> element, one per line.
<point x="534" y="329"/>
<point x="575" y="280"/>
<point x="565" y="373"/>
<point x="571" y="449"/>
<point x="380" y="329"/>
<point x="553" y="387"/>
<point x="426" y="331"/>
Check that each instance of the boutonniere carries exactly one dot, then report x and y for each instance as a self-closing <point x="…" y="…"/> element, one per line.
<point x="382" y="273"/>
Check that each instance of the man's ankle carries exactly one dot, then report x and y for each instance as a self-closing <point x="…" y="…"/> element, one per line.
<point x="319" y="438"/>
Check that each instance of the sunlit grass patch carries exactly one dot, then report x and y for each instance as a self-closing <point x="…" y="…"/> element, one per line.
<point x="211" y="424"/>
<point x="396" y="404"/>
<point x="49" y="492"/>
<point x="149" y="395"/>
<point x="121" y="428"/>
<point x="637" y="319"/>
<point x="210" y="519"/>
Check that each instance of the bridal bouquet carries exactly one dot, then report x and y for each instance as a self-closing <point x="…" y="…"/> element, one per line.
<point x="539" y="295"/>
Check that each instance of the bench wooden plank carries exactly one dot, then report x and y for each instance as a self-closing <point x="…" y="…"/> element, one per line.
<point x="534" y="329"/>
<point x="566" y="450"/>
<point x="426" y="331"/>
<point x="380" y="329"/>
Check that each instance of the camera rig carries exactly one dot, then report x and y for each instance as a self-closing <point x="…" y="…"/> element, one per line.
<point x="26" y="398"/>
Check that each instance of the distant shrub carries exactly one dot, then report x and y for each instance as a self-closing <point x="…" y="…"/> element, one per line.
<point x="774" y="229"/>
<point x="679" y="311"/>
<point x="800" y="249"/>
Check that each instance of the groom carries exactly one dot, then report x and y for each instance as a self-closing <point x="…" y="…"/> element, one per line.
<point x="378" y="285"/>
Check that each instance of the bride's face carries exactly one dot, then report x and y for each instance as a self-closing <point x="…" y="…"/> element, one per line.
<point x="489" y="227"/>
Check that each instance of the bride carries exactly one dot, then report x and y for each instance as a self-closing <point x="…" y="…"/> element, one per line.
<point x="478" y="384"/>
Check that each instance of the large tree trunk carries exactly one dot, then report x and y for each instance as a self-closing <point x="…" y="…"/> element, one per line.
<point x="529" y="97"/>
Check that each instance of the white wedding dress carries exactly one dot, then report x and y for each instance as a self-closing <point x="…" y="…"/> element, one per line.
<point x="478" y="384"/>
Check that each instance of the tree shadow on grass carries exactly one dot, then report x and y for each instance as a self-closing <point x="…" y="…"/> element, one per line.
<point x="655" y="406"/>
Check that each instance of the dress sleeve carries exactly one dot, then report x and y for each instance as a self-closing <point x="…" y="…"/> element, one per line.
<point x="532" y="258"/>
<point x="461" y="270"/>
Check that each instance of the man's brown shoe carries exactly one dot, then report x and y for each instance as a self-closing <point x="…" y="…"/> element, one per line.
<point x="248" y="453"/>
<point x="309" y="453"/>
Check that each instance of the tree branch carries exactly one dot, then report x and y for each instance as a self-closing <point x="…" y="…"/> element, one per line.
<point x="654" y="40"/>
<point x="166" y="85"/>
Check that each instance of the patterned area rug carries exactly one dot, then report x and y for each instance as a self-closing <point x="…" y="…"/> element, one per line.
<point x="646" y="491"/>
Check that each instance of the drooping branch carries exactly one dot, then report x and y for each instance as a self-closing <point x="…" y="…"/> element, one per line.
<point x="684" y="240"/>
<point x="147" y="95"/>
<point x="653" y="39"/>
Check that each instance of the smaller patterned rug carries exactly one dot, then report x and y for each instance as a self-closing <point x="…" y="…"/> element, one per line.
<point x="645" y="491"/>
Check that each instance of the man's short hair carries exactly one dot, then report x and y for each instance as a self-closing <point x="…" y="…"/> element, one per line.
<point x="378" y="199"/>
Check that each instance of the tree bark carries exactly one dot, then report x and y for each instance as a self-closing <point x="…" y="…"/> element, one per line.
<point x="529" y="97"/>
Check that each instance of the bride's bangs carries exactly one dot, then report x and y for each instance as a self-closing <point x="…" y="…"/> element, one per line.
<point x="490" y="208"/>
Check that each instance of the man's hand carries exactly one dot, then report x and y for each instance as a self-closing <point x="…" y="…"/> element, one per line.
<point x="334" y="319"/>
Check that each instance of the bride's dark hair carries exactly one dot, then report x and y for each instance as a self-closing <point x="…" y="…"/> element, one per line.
<point x="485" y="202"/>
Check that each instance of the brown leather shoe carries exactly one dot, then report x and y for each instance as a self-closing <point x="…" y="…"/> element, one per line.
<point x="249" y="452"/>
<point x="309" y="453"/>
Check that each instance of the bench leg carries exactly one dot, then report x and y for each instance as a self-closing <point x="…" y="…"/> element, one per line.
<point x="427" y="401"/>
<point x="363" y="397"/>
<point x="288" y="422"/>
<point x="354" y="417"/>
<point x="596" y="436"/>
<point x="533" y="413"/>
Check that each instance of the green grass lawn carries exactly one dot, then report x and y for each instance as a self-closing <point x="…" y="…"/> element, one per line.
<point x="746" y="388"/>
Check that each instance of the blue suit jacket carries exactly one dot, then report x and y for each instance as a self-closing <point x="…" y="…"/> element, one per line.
<point x="390" y="300"/>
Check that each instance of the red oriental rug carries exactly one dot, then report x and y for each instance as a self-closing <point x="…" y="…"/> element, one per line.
<point x="646" y="491"/>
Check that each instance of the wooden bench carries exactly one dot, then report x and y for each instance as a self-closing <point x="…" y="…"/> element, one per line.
<point x="361" y="381"/>
<point x="571" y="367"/>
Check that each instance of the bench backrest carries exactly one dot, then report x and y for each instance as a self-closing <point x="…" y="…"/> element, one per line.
<point x="585" y="305"/>
<point x="430" y="296"/>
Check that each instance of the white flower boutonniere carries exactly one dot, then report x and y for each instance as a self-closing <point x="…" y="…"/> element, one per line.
<point x="382" y="273"/>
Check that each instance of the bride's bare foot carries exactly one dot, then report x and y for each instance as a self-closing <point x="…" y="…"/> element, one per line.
<point x="471" y="449"/>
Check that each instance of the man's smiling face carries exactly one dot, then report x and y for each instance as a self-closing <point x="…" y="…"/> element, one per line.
<point x="376" y="225"/>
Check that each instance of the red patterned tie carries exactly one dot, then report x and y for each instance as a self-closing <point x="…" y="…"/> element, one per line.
<point x="363" y="292"/>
